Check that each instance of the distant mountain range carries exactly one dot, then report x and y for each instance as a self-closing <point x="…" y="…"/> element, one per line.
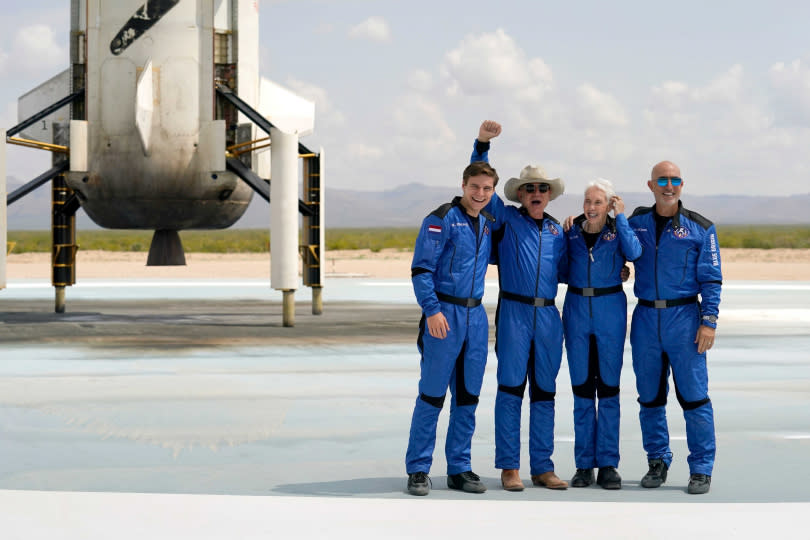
<point x="407" y="205"/>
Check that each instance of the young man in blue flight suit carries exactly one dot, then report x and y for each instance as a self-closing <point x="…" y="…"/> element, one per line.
<point x="449" y="264"/>
<point x="672" y="329"/>
<point x="531" y="252"/>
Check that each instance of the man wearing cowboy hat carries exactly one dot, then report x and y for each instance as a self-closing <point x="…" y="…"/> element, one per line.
<point x="671" y="329"/>
<point x="531" y="252"/>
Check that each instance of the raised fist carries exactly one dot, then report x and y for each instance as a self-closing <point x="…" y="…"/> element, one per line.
<point x="489" y="130"/>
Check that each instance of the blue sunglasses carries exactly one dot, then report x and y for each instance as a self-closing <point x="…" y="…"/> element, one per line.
<point x="664" y="180"/>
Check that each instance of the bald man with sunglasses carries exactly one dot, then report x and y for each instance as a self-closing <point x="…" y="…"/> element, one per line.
<point x="677" y="282"/>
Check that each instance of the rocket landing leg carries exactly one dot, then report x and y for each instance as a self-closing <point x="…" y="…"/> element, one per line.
<point x="166" y="249"/>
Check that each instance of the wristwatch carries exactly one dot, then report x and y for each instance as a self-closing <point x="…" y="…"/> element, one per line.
<point x="710" y="320"/>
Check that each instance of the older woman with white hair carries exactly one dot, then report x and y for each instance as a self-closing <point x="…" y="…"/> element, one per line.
<point x="595" y="324"/>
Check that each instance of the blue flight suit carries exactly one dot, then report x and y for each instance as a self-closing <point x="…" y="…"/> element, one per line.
<point x="670" y="274"/>
<point x="449" y="264"/>
<point x="532" y="258"/>
<point x="595" y="325"/>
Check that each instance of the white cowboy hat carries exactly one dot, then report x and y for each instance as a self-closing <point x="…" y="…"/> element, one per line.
<point x="533" y="174"/>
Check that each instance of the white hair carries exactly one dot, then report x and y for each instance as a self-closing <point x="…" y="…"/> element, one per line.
<point x="603" y="184"/>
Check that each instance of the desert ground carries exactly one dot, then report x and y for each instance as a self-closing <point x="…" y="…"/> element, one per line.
<point x="738" y="264"/>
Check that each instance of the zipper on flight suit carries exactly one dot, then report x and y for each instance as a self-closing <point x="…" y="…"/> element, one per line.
<point x="655" y="267"/>
<point x="478" y="235"/>
<point x="539" y="260"/>
<point x="590" y="260"/>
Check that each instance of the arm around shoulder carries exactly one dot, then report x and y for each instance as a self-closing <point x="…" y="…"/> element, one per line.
<point x="631" y="246"/>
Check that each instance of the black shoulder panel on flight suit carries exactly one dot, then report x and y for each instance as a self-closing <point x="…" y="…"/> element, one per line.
<point x="441" y="211"/>
<point x="641" y="210"/>
<point x="697" y="218"/>
<point x="579" y="220"/>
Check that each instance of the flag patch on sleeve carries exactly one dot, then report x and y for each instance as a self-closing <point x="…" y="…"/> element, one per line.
<point x="435" y="229"/>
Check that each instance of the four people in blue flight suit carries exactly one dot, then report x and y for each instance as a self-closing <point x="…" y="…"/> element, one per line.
<point x="676" y="258"/>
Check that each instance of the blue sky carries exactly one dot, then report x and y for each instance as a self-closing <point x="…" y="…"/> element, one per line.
<point x="584" y="88"/>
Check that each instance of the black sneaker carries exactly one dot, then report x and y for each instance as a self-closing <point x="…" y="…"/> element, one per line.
<point x="609" y="478"/>
<point x="699" y="484"/>
<point x="657" y="474"/>
<point x="466" y="481"/>
<point x="582" y="478"/>
<point x="418" y="483"/>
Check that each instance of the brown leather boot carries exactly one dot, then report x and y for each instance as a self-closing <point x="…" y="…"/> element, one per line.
<point x="510" y="478"/>
<point x="549" y="480"/>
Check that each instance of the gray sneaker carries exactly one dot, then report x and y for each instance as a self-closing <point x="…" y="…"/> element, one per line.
<point x="657" y="474"/>
<point x="699" y="484"/>
<point x="418" y="483"/>
<point x="466" y="481"/>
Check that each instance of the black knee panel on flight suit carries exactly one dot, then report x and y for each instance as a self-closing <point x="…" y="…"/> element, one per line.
<point x="661" y="397"/>
<point x="517" y="391"/>
<point x="463" y="397"/>
<point x="594" y="385"/>
<point x="535" y="392"/>
<point x="690" y="405"/>
<point x="437" y="402"/>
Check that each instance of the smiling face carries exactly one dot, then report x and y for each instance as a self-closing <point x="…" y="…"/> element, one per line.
<point x="477" y="191"/>
<point x="535" y="202"/>
<point x="666" y="197"/>
<point x="596" y="208"/>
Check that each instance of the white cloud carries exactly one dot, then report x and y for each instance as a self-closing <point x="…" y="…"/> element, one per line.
<point x="791" y="92"/>
<point x="356" y="150"/>
<point x="326" y="115"/>
<point x="494" y="63"/>
<point x="725" y="88"/>
<point x="600" y="108"/>
<point x="373" y="29"/>
<point x="420" y="117"/>
<point x="420" y="80"/>
<point x="670" y="95"/>
<point x="312" y="93"/>
<point x="36" y="50"/>
<point x="725" y="105"/>
<point x="419" y="128"/>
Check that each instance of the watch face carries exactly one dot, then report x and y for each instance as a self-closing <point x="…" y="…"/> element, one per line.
<point x="710" y="318"/>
